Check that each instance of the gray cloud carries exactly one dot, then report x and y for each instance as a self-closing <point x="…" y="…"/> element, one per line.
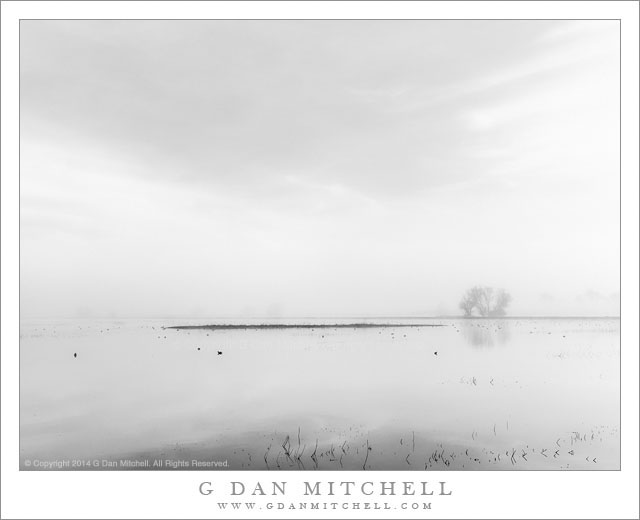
<point x="320" y="154"/>
<point x="241" y="102"/>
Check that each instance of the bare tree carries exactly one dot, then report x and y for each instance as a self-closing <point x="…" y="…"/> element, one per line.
<point x="469" y="301"/>
<point x="467" y="305"/>
<point x="501" y="302"/>
<point x="485" y="301"/>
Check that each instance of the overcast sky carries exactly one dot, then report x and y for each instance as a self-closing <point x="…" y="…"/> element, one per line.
<point x="318" y="168"/>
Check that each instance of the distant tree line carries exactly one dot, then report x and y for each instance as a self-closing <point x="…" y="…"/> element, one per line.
<point x="485" y="302"/>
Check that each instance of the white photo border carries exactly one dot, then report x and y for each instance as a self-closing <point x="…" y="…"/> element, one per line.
<point x="489" y="494"/>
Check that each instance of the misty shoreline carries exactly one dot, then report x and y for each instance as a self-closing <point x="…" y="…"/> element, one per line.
<point x="305" y="326"/>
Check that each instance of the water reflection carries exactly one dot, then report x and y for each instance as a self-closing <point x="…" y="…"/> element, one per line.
<point x="249" y="407"/>
<point x="485" y="333"/>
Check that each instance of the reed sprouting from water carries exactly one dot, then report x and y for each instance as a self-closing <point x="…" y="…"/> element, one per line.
<point x="476" y="455"/>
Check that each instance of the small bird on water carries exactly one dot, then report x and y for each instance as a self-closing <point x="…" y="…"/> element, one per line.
<point x="219" y="352"/>
<point x="435" y="353"/>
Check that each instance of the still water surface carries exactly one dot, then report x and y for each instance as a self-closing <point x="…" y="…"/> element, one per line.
<point x="499" y="394"/>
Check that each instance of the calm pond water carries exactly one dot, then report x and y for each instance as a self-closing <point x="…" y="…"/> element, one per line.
<point x="499" y="394"/>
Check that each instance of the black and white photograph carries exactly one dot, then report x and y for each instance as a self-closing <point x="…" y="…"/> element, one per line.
<point x="320" y="245"/>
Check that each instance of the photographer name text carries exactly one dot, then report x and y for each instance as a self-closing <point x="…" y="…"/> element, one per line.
<point x="332" y="488"/>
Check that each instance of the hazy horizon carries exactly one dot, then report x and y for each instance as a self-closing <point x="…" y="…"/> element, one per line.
<point x="321" y="317"/>
<point x="318" y="168"/>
